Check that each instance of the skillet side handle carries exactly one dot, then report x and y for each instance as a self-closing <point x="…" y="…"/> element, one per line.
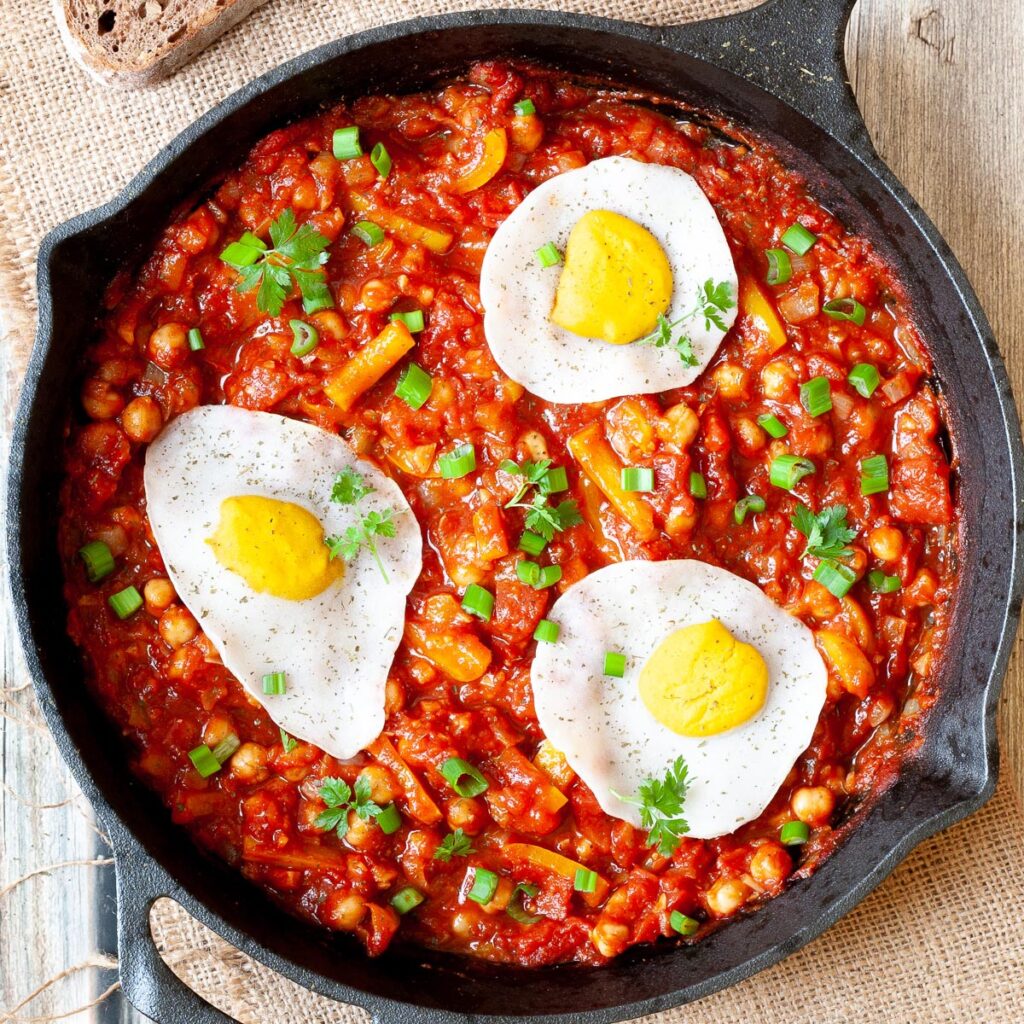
<point x="793" y="49"/>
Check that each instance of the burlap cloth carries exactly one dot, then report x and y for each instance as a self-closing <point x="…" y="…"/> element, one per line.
<point x="941" y="941"/>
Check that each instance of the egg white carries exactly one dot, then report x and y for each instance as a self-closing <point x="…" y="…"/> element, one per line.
<point x="518" y="294"/>
<point x="603" y="727"/>
<point x="337" y="647"/>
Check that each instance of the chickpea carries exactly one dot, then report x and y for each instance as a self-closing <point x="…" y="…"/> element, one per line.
<point x="813" y="805"/>
<point x="382" y="784"/>
<point x="886" y="543"/>
<point x="462" y="924"/>
<point x="777" y="378"/>
<point x="218" y="728"/>
<point x="114" y="536"/>
<point x="158" y="594"/>
<point x="249" y="763"/>
<point x="377" y="295"/>
<point x="770" y="864"/>
<point x="101" y="400"/>
<point x="818" y="601"/>
<point x="394" y="696"/>
<point x="609" y="937"/>
<point x="731" y="380"/>
<point x="680" y="425"/>
<point x="330" y="324"/>
<point x="142" y="419"/>
<point x="362" y="832"/>
<point x="750" y="436"/>
<point x="527" y="131"/>
<point x="177" y="626"/>
<point x="168" y="345"/>
<point x="533" y="445"/>
<point x="726" y="896"/>
<point x="679" y="522"/>
<point x="345" y="910"/>
<point x="467" y="814"/>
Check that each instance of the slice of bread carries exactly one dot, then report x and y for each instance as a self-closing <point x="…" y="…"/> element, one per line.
<point x="133" y="43"/>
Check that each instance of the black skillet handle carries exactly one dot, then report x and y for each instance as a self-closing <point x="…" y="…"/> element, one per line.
<point x="792" y="49"/>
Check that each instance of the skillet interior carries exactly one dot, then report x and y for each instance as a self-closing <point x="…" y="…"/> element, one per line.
<point x="955" y="770"/>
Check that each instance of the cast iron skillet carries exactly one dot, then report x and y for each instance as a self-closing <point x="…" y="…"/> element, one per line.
<point x="778" y="69"/>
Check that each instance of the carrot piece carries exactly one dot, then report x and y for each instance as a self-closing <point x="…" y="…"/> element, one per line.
<point x="491" y="161"/>
<point x="417" y="799"/>
<point x="368" y="365"/>
<point x="489" y="529"/>
<point x="298" y="855"/>
<point x="559" y="865"/>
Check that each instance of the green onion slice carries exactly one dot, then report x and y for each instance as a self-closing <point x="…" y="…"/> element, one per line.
<point x="368" y="233"/>
<point x="772" y="425"/>
<point x="478" y="601"/>
<point x="381" y="159"/>
<point x="864" y="379"/>
<point x="275" y="684"/>
<point x="683" y="924"/>
<point x="305" y="337"/>
<point x="698" y="485"/>
<point x="554" y="481"/>
<point x="346" y="144"/>
<point x="780" y="267"/>
<point x="203" y="761"/>
<point x="788" y="470"/>
<point x="548" y="255"/>
<point x="99" y="562"/>
<point x="614" y="665"/>
<point x="528" y="572"/>
<point x="389" y="819"/>
<point x="816" y="396"/>
<point x="874" y="475"/>
<point x="835" y="577"/>
<point x="457" y="463"/>
<point x="585" y="880"/>
<point x="463" y="777"/>
<point x="485" y="885"/>
<point x="882" y="584"/>
<point x="532" y="543"/>
<point x="637" y="478"/>
<point x="413" y="320"/>
<point x="195" y="340"/>
<point x="798" y="238"/>
<point x="547" y="631"/>
<point x="245" y="252"/>
<point x="407" y="899"/>
<point x="549" y="576"/>
<point x="414" y="386"/>
<point x="845" y="309"/>
<point x="751" y="503"/>
<point x="226" y="747"/>
<point x="125" y="602"/>
<point x="515" y="908"/>
<point x="794" y="833"/>
<point x="524" y="108"/>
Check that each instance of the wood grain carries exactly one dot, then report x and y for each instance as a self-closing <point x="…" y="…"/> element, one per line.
<point x="941" y="85"/>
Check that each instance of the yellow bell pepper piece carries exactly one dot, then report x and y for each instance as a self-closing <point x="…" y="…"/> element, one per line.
<point x="492" y="161"/>
<point x="555" y="862"/>
<point x="756" y="304"/>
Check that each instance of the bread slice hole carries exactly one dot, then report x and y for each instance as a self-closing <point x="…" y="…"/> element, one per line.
<point x="105" y="23"/>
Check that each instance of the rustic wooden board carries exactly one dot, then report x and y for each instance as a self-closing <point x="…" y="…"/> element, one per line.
<point x="941" y="85"/>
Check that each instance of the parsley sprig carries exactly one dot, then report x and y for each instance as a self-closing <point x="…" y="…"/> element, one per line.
<point x="350" y="487"/>
<point x="341" y="798"/>
<point x="288" y="742"/>
<point x="455" y="844"/>
<point x="542" y="518"/>
<point x="827" y="532"/>
<point x="661" y="807"/>
<point x="712" y="301"/>
<point x="298" y="253"/>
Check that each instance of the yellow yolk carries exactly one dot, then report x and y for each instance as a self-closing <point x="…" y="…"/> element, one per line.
<point x="275" y="546"/>
<point x="701" y="680"/>
<point x="616" y="280"/>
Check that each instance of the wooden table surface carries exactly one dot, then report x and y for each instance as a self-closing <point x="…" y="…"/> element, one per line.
<point x="941" y="85"/>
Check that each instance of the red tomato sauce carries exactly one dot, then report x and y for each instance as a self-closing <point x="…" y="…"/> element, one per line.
<point x="460" y="687"/>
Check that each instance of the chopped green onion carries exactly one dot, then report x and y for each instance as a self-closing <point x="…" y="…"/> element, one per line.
<point x="798" y="238"/>
<point x="463" y="777"/>
<point x="413" y="320"/>
<point x="515" y="908"/>
<point x="125" y="602"/>
<point x="698" y="485"/>
<point x="390" y="820"/>
<point x="275" y="684"/>
<point x="788" y="470"/>
<point x="683" y="924"/>
<point x="305" y="337"/>
<point x="864" y="379"/>
<point x="548" y="255"/>
<point x="772" y="425"/>
<point x="816" y="396"/>
<point x="547" y="631"/>
<point x="524" y="108"/>
<point x="245" y="252"/>
<point x="874" y="475"/>
<point x="845" y="309"/>
<point x="478" y="601"/>
<point x="485" y="885"/>
<point x="835" y="577"/>
<point x="414" y="386"/>
<point x="637" y="478"/>
<point x="203" y="761"/>
<point x="346" y="143"/>
<point x="528" y="572"/>
<point x="780" y="267"/>
<point x="195" y="340"/>
<point x="381" y="159"/>
<point x="793" y="833"/>
<point x="751" y="503"/>
<point x="532" y="543"/>
<point x="368" y="233"/>
<point x="585" y="880"/>
<point x="882" y="584"/>
<point x="614" y="664"/>
<point x="549" y="576"/>
<point x="99" y="562"/>
<point x="554" y="480"/>
<point x="407" y="899"/>
<point x="226" y="747"/>
<point x="457" y="463"/>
